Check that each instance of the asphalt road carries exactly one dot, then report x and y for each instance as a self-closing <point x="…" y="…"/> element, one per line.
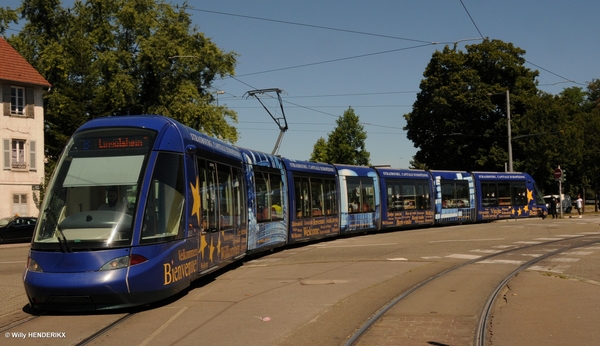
<point x="321" y="293"/>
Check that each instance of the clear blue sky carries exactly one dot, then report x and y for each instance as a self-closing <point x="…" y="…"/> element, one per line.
<point x="374" y="59"/>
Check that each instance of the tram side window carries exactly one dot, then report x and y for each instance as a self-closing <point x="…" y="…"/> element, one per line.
<point x="504" y="194"/>
<point x="208" y="198"/>
<point x="455" y="194"/>
<point x="361" y="194"/>
<point x="269" y="190"/>
<point x="409" y="192"/>
<point x="317" y="196"/>
<point x="165" y="204"/>
<point x="239" y="198"/>
<point x="302" y="200"/>
<point x="519" y="193"/>
<point x="423" y="193"/>
<point x="489" y="193"/>
<point x="330" y="197"/>
<point x="276" y="196"/>
<point x="225" y="196"/>
<point x="262" y="194"/>
<point x="407" y="195"/>
<point x="395" y="201"/>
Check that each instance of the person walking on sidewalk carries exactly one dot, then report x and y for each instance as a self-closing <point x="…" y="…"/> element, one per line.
<point x="579" y="204"/>
<point x="553" y="207"/>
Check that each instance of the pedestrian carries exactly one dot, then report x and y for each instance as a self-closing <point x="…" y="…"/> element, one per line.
<point x="579" y="204"/>
<point x="552" y="208"/>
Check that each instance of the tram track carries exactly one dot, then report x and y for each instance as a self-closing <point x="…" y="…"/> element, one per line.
<point x="104" y="330"/>
<point x="482" y="330"/>
<point x="320" y="293"/>
<point x="45" y="323"/>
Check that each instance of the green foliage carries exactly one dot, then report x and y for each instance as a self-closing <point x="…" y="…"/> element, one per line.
<point x="120" y="57"/>
<point x="457" y="122"/>
<point x="319" y="153"/>
<point x="345" y="144"/>
<point x="7" y="16"/>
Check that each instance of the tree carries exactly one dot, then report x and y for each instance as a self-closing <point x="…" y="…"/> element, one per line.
<point x="319" y="153"/>
<point x="459" y="121"/>
<point x="345" y="144"/>
<point x="120" y="57"/>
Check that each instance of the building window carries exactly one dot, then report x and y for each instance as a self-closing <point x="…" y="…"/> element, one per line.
<point x="18" y="154"/>
<point x="20" y="205"/>
<point x="17" y="100"/>
<point x="14" y="154"/>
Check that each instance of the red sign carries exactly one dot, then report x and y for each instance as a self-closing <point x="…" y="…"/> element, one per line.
<point x="558" y="173"/>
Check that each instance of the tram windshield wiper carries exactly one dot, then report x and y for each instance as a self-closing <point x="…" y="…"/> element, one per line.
<point x="62" y="239"/>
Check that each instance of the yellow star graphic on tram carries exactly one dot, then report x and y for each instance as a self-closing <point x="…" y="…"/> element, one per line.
<point x="196" y="207"/>
<point x="219" y="246"/>
<point x="211" y="249"/>
<point x="203" y="244"/>
<point x="529" y="196"/>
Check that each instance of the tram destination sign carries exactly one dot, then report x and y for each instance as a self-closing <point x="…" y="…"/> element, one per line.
<point x="114" y="142"/>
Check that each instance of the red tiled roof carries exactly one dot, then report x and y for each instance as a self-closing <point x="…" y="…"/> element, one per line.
<point x="13" y="67"/>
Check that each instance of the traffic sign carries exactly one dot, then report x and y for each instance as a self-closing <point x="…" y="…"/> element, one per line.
<point x="558" y="173"/>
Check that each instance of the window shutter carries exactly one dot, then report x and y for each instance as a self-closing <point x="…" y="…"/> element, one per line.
<point x="32" y="163"/>
<point x="6" y="99"/>
<point x="29" y="103"/>
<point x="6" y="151"/>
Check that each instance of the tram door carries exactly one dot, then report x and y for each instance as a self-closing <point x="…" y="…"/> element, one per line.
<point x="222" y="204"/>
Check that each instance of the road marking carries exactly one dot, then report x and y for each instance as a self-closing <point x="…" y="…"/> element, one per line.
<point x="463" y="240"/>
<point x="577" y="253"/>
<point x="358" y="245"/>
<point x="500" y="261"/>
<point x="159" y="330"/>
<point x="485" y="251"/>
<point x="528" y="242"/>
<point x="463" y="256"/>
<point x="397" y="259"/>
<point x="549" y="239"/>
<point x="564" y="259"/>
<point x="553" y="269"/>
<point x="13" y="262"/>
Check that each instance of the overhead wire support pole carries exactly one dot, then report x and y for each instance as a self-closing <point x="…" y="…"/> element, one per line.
<point x="281" y="122"/>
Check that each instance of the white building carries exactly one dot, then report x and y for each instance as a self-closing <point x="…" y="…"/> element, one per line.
<point x="21" y="133"/>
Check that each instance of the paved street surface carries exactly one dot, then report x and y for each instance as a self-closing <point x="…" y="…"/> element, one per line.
<point x="320" y="293"/>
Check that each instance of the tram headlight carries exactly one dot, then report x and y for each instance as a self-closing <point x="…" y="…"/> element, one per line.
<point x="123" y="262"/>
<point x="33" y="266"/>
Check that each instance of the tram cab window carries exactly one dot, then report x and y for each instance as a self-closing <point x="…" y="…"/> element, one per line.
<point x="163" y="218"/>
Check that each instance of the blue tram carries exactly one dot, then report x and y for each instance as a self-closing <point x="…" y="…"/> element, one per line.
<point x="140" y="206"/>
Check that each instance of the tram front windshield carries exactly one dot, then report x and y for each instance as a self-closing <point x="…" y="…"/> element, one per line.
<point x="94" y="191"/>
